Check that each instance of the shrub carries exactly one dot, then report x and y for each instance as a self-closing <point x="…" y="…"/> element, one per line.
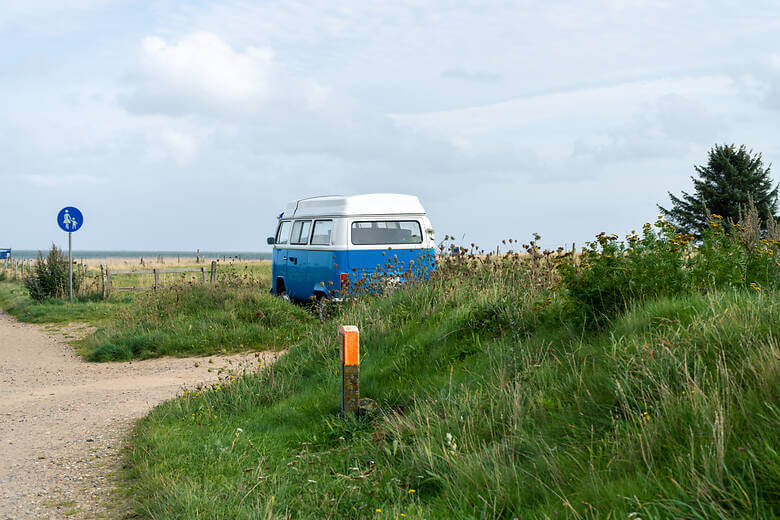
<point x="49" y="278"/>
<point x="611" y="274"/>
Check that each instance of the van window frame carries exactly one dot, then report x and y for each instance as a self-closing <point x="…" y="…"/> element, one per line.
<point x="308" y="233"/>
<point x="330" y="235"/>
<point x="279" y="230"/>
<point x="399" y="221"/>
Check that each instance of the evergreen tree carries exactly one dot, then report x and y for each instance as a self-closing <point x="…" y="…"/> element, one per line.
<point x="731" y="178"/>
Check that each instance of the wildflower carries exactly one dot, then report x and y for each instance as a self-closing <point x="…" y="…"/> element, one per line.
<point x="411" y="491"/>
<point x="378" y="510"/>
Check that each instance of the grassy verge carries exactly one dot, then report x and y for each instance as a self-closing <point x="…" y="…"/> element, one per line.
<point x="15" y="300"/>
<point x="489" y="405"/>
<point x="186" y="318"/>
<point x="198" y="319"/>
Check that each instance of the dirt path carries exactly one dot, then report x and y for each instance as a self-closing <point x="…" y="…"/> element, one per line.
<point x="63" y="421"/>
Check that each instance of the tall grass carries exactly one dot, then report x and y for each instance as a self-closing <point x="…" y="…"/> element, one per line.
<point x="234" y="314"/>
<point x="505" y="386"/>
<point x="15" y="299"/>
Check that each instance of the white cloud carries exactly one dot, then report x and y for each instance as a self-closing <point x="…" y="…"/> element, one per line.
<point x="199" y="73"/>
<point x="772" y="89"/>
<point x="590" y="102"/>
<point x="639" y="119"/>
<point x="58" y="181"/>
<point x="316" y="94"/>
<point x="180" y="146"/>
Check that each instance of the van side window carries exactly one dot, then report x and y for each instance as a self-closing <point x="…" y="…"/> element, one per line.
<point x="283" y="233"/>
<point x="300" y="232"/>
<point x="383" y="232"/>
<point x="321" y="234"/>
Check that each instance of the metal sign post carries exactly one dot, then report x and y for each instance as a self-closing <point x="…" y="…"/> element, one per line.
<point x="70" y="266"/>
<point x="70" y="219"/>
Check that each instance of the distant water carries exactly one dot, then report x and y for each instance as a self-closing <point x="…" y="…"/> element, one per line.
<point x="151" y="255"/>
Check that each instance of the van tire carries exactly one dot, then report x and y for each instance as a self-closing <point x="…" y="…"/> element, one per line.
<point x="281" y="290"/>
<point x="324" y="307"/>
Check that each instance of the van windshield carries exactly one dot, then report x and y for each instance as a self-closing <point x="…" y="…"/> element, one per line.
<point x="283" y="234"/>
<point x="383" y="232"/>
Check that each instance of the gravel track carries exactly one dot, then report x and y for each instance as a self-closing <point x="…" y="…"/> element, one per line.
<point x="63" y="421"/>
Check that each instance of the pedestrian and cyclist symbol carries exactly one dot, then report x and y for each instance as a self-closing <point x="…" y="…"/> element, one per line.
<point x="70" y="219"/>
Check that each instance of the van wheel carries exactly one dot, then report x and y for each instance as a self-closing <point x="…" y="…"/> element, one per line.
<point x="325" y="308"/>
<point x="284" y="296"/>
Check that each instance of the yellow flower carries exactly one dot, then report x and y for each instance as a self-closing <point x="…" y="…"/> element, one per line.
<point x="378" y="510"/>
<point x="411" y="491"/>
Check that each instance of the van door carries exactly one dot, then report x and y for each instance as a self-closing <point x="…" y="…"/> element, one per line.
<point x="298" y="260"/>
<point x="280" y="256"/>
<point x="322" y="261"/>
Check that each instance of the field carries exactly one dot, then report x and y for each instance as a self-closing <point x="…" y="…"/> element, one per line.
<point x="637" y="380"/>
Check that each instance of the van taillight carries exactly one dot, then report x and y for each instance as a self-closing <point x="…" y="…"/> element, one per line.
<point x="344" y="279"/>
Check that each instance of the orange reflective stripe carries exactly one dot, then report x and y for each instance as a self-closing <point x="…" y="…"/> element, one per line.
<point x="350" y="350"/>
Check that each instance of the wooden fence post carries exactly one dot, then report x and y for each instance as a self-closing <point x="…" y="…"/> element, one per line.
<point x="108" y="282"/>
<point x="203" y="272"/>
<point x="156" y="279"/>
<point x="213" y="271"/>
<point x="102" y="283"/>
<point x="350" y="369"/>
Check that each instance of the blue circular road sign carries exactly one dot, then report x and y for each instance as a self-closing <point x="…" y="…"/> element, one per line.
<point x="70" y="219"/>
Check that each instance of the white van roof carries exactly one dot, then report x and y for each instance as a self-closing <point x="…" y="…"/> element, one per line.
<point x="366" y="204"/>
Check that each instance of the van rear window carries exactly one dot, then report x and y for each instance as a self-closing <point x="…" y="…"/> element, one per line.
<point x="384" y="232"/>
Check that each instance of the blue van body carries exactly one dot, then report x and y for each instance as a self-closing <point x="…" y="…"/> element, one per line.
<point x="330" y="265"/>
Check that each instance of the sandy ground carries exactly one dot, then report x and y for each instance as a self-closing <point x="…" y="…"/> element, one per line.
<point x="64" y="421"/>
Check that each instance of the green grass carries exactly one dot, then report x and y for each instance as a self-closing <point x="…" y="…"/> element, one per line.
<point x="504" y="387"/>
<point x="198" y="319"/>
<point x="186" y="318"/>
<point x="237" y="313"/>
<point x="490" y="404"/>
<point x="15" y="300"/>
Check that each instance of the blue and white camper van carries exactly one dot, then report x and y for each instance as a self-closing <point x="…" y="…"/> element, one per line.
<point x="324" y="245"/>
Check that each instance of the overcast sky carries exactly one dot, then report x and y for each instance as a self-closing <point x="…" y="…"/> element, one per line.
<point x="183" y="125"/>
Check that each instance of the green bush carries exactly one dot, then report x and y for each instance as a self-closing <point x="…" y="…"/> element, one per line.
<point x="612" y="274"/>
<point x="49" y="278"/>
